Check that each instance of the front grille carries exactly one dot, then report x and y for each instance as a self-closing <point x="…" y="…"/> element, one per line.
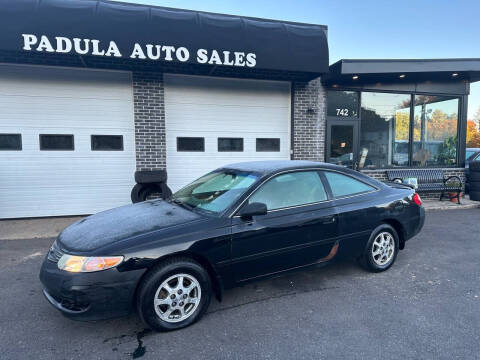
<point x="54" y="254"/>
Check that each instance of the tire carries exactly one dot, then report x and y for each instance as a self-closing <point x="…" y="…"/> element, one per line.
<point x="373" y="263"/>
<point x="148" y="177"/>
<point x="475" y="166"/>
<point x="136" y="194"/>
<point x="474" y="195"/>
<point x="140" y="192"/>
<point x="474" y="185"/>
<point x="152" y="287"/>
<point x="474" y="176"/>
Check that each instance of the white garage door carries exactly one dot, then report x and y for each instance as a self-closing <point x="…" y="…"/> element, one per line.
<point x="212" y="122"/>
<point x="50" y="164"/>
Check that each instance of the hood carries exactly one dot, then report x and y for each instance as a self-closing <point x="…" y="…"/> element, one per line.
<point x="120" y="223"/>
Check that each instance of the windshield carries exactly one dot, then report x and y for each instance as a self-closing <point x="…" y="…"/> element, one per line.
<point x="469" y="153"/>
<point x="216" y="191"/>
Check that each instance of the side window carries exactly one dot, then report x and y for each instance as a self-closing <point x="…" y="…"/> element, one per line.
<point x="292" y="189"/>
<point x="343" y="185"/>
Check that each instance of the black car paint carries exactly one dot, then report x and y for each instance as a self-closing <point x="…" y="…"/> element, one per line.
<point x="232" y="249"/>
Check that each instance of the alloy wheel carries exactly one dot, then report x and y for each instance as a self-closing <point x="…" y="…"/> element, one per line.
<point x="383" y="248"/>
<point x="177" y="298"/>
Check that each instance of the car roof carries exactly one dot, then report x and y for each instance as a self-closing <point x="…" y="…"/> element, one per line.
<point x="273" y="166"/>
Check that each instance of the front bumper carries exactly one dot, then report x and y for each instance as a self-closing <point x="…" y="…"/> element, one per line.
<point x="89" y="296"/>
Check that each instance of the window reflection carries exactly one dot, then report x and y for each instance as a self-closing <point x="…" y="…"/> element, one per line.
<point x="342" y="103"/>
<point x="384" y="130"/>
<point x="435" y="131"/>
<point x="341" y="145"/>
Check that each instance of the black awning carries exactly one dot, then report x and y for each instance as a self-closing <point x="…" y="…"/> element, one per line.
<point x="357" y="71"/>
<point x="110" y="29"/>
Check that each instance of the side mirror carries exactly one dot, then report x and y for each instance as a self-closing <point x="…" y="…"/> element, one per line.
<point x="253" y="209"/>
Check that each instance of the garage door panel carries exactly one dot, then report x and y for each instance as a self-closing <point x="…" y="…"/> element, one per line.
<point x="63" y="82"/>
<point x="234" y="92"/>
<point x="55" y="199"/>
<point x="85" y="113"/>
<point x="216" y="117"/>
<point x="211" y="144"/>
<point x="81" y="103"/>
<point x="212" y="108"/>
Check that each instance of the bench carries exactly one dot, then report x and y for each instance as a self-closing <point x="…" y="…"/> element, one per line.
<point x="429" y="180"/>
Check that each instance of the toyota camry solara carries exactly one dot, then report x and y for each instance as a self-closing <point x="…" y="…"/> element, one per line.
<point x="167" y="258"/>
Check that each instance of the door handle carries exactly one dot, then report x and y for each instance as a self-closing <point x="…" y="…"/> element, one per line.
<point x="328" y="219"/>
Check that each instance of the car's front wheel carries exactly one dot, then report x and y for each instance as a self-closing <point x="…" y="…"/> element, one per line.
<point x="174" y="294"/>
<point x="382" y="249"/>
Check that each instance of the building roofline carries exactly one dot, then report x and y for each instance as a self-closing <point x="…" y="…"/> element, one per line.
<point x="325" y="27"/>
<point x="413" y="69"/>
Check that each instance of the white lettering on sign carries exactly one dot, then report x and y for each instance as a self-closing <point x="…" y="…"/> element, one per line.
<point x="65" y="45"/>
<point x="342" y="112"/>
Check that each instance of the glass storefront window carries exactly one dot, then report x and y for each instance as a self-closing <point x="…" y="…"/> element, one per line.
<point x="342" y="103"/>
<point x="384" y="130"/>
<point x="435" y="131"/>
<point x="341" y="145"/>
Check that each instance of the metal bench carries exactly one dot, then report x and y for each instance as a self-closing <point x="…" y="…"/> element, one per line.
<point x="429" y="180"/>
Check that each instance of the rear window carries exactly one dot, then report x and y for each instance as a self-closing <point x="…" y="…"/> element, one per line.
<point x="343" y="185"/>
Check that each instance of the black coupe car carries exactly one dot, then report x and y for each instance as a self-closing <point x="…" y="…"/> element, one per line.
<point x="166" y="258"/>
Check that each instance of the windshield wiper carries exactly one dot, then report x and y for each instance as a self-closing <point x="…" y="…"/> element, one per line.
<point x="182" y="204"/>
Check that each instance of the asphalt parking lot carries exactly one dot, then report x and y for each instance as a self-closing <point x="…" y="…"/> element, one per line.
<point x="427" y="306"/>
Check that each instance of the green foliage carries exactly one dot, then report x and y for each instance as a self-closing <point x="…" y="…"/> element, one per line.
<point x="447" y="153"/>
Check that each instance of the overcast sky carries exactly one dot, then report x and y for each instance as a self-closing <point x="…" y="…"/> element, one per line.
<point x="385" y="29"/>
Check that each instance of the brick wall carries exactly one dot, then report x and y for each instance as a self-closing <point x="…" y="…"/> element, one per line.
<point x="149" y="113"/>
<point x="309" y="109"/>
<point x="381" y="175"/>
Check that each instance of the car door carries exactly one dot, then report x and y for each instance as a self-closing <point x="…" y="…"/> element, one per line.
<point x="356" y="203"/>
<point x="299" y="228"/>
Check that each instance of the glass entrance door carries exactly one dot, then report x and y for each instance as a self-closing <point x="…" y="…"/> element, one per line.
<point x="342" y="146"/>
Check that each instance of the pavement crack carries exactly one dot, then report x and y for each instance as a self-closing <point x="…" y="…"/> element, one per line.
<point x="272" y="297"/>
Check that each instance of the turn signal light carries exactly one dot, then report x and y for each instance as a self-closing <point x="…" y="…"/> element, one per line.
<point x="416" y="199"/>
<point x="74" y="263"/>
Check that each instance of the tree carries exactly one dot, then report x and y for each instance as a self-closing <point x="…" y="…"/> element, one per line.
<point x="402" y="125"/>
<point x="476" y="118"/>
<point x="473" y="136"/>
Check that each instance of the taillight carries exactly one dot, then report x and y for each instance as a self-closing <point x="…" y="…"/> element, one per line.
<point x="416" y="199"/>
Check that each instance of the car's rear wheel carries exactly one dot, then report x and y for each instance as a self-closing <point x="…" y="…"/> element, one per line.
<point x="382" y="249"/>
<point x="174" y="294"/>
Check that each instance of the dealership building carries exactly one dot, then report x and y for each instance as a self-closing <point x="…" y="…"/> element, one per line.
<point x="91" y="91"/>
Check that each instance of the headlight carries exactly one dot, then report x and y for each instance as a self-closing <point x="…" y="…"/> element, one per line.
<point x="74" y="263"/>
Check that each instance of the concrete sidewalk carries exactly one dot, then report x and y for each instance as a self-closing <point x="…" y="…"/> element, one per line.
<point x="466" y="203"/>
<point x="35" y="228"/>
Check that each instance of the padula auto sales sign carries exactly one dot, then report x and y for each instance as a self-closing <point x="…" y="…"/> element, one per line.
<point x="155" y="52"/>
